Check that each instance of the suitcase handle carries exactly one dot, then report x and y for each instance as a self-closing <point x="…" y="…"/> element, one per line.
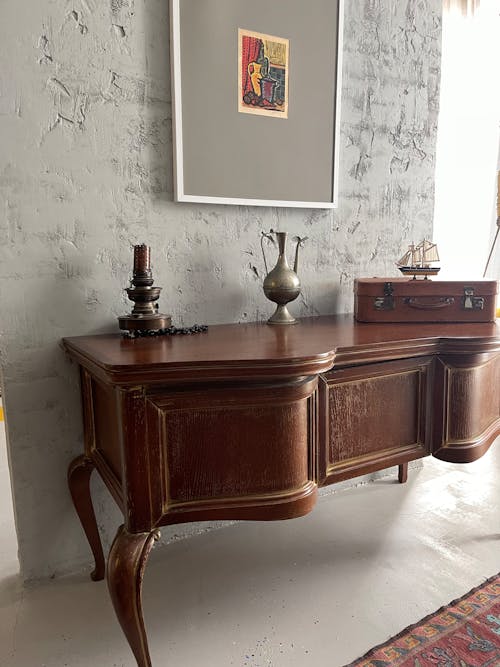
<point x="443" y="302"/>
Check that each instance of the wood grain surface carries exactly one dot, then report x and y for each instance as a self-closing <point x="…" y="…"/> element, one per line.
<point x="247" y="421"/>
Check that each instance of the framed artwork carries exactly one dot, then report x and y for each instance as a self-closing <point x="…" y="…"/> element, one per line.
<point x="256" y="101"/>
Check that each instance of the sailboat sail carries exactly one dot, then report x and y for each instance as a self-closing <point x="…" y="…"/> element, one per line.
<point x="408" y="258"/>
<point x="429" y="252"/>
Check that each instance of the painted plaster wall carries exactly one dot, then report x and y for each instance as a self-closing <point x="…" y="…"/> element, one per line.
<point x="85" y="172"/>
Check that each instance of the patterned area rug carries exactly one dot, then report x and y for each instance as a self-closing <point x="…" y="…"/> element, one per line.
<point x="465" y="633"/>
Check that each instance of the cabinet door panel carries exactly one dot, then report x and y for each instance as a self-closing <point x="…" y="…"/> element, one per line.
<point x="373" y="417"/>
<point x="468" y="416"/>
<point x="224" y="449"/>
<point x="102" y="431"/>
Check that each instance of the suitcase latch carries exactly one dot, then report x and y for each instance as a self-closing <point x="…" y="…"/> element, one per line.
<point x="471" y="302"/>
<point x="385" y="302"/>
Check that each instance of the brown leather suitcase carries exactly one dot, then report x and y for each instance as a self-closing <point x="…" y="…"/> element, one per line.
<point x="408" y="300"/>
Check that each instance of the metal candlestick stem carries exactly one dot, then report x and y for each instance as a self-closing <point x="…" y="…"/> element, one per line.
<point x="145" y="315"/>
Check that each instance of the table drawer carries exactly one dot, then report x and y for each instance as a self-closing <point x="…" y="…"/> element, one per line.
<point x="373" y="417"/>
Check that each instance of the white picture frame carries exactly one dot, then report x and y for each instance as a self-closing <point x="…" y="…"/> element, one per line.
<point x="197" y="122"/>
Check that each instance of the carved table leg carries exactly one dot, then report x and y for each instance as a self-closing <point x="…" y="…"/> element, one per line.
<point x="79" y="473"/>
<point x="126" y="564"/>
<point x="403" y="473"/>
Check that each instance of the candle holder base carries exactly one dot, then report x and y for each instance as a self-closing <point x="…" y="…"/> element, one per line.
<point x="144" y="322"/>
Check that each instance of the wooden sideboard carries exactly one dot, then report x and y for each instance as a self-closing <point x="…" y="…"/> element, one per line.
<point x="246" y="421"/>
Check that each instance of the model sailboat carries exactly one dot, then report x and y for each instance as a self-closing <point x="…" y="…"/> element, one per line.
<point x="417" y="260"/>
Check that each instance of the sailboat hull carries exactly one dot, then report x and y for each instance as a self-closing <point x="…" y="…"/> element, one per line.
<point x="419" y="271"/>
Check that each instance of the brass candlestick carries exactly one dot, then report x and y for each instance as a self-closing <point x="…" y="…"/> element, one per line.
<point x="145" y="315"/>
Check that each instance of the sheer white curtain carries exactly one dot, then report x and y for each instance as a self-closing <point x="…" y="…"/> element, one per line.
<point x="467" y="7"/>
<point x="468" y="137"/>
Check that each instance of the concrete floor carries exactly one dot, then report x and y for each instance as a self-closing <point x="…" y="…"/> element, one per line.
<point x="319" y="591"/>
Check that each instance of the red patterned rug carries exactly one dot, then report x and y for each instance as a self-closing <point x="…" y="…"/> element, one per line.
<point x="465" y="633"/>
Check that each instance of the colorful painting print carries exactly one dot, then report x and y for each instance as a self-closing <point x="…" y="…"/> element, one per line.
<point x="263" y="74"/>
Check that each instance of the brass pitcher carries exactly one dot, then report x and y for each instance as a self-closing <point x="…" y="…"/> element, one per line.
<point x="282" y="284"/>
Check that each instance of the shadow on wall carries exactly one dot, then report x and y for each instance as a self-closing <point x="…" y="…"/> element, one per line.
<point x="44" y="419"/>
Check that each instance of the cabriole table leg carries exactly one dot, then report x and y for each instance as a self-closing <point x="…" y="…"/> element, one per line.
<point x="79" y="473"/>
<point x="126" y="564"/>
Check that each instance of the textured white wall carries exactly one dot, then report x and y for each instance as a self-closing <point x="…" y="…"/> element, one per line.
<point x="85" y="172"/>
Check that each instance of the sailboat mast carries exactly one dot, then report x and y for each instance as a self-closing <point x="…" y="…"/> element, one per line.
<point x="411" y="253"/>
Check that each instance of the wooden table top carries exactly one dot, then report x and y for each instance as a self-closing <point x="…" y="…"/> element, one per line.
<point x="309" y="347"/>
